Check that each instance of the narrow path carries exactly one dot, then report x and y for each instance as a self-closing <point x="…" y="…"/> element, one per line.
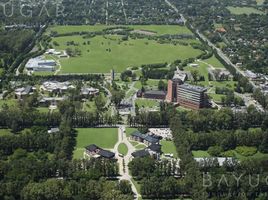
<point x="124" y="161"/>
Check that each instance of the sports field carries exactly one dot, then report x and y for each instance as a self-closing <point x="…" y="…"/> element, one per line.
<point x="103" y="137"/>
<point x="105" y="53"/>
<point x="101" y="53"/>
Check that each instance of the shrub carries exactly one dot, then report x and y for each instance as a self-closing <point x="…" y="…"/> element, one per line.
<point x="215" y="150"/>
<point x="229" y="153"/>
<point x="246" y="151"/>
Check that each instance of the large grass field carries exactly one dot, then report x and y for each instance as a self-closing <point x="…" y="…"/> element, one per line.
<point x="158" y="29"/>
<point x="103" y="137"/>
<point x="244" y="10"/>
<point x="105" y="53"/>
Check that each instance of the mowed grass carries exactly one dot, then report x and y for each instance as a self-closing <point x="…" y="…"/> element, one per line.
<point x="147" y="103"/>
<point x="103" y="137"/>
<point x="244" y="10"/>
<point x="214" y="62"/>
<point x="103" y="54"/>
<point x="158" y="29"/>
<point x="200" y="154"/>
<point x="169" y="147"/>
<point x="122" y="149"/>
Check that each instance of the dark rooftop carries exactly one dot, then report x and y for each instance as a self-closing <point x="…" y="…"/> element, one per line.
<point x="103" y="153"/>
<point x="138" y="134"/>
<point x="193" y="88"/>
<point x="151" y="139"/>
<point x="140" y="153"/>
<point x="155" y="148"/>
<point x="155" y="92"/>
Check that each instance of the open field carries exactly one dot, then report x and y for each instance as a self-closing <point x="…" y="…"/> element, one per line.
<point x="105" y="53"/>
<point x="169" y="147"/>
<point x="244" y="10"/>
<point x="103" y="137"/>
<point x="157" y="29"/>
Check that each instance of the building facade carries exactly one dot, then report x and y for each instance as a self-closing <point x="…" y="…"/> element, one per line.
<point x="191" y="96"/>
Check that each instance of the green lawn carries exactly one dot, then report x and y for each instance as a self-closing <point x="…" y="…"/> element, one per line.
<point x="200" y="154"/>
<point x="122" y="149"/>
<point x="130" y="130"/>
<point x="89" y="106"/>
<point x="214" y="62"/>
<point x="103" y="54"/>
<point x="4" y="132"/>
<point x="43" y="109"/>
<point x="103" y="137"/>
<point x="158" y="29"/>
<point x="147" y="103"/>
<point x="244" y="10"/>
<point x="9" y="103"/>
<point x="169" y="147"/>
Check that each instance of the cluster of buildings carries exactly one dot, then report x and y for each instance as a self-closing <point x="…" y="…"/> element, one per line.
<point x="23" y="92"/>
<point x="40" y="65"/>
<point x="55" y="86"/>
<point x="180" y="93"/>
<point x="153" y="148"/>
<point x="186" y="95"/>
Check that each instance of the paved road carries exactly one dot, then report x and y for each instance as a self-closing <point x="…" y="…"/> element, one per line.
<point x="124" y="161"/>
<point x="219" y="51"/>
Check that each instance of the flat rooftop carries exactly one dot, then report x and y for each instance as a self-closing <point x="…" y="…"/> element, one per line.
<point x="193" y="87"/>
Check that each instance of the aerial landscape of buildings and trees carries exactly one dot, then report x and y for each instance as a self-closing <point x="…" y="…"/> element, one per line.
<point x="156" y="99"/>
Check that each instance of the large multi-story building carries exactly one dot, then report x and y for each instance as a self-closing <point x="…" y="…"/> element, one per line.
<point x="186" y="95"/>
<point x="191" y="96"/>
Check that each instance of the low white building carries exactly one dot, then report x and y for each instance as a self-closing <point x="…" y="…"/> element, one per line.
<point x="89" y="91"/>
<point x="40" y="65"/>
<point x="51" y="86"/>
